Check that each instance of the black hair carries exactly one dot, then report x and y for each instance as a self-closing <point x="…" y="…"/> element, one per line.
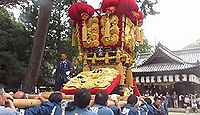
<point x="132" y="99"/>
<point x="157" y="98"/>
<point x="101" y="98"/>
<point x="63" y="53"/>
<point x="56" y="97"/>
<point x="163" y="93"/>
<point x="70" y="106"/>
<point x="148" y="101"/>
<point x="82" y="98"/>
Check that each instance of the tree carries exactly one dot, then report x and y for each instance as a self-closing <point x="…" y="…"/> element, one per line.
<point x="146" y="7"/>
<point x="38" y="46"/>
<point x="145" y="48"/>
<point x="58" y="37"/>
<point x="15" y="42"/>
<point x="11" y="2"/>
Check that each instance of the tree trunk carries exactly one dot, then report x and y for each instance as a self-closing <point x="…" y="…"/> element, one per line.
<point x="38" y="46"/>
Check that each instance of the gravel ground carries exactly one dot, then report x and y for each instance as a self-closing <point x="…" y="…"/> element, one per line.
<point x="176" y="113"/>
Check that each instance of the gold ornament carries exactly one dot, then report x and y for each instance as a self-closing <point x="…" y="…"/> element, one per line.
<point x="109" y="30"/>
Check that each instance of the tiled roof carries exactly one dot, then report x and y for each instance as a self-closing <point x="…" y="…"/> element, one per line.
<point x="189" y="55"/>
<point x="162" y="49"/>
<point x="182" y="59"/>
<point x="162" y="67"/>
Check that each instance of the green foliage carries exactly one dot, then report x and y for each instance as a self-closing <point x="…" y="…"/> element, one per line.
<point x="10" y="3"/>
<point x="59" y="33"/>
<point x="146" y="7"/>
<point x="145" y="48"/>
<point x="13" y="49"/>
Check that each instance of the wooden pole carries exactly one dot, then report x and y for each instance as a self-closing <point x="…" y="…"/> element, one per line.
<point x="26" y="103"/>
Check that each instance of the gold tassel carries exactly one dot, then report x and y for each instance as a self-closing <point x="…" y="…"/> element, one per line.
<point x="80" y="57"/>
<point x="141" y="37"/>
<point x="120" y="68"/>
<point x="94" y="58"/>
<point x="73" y="39"/>
<point x="137" y="32"/>
<point x="118" y="57"/>
<point x="84" y="32"/>
<point x="106" y="58"/>
<point x="107" y="28"/>
<point x="85" y="60"/>
<point x="129" y="77"/>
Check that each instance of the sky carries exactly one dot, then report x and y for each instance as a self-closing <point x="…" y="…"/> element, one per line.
<point x="177" y="25"/>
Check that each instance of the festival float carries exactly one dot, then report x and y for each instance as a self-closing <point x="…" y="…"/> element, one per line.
<point x="106" y="39"/>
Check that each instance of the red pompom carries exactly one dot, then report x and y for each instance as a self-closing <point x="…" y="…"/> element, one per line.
<point x="85" y="8"/>
<point x="78" y="8"/>
<point x="132" y="6"/>
<point x="141" y="15"/>
<point x="73" y="14"/>
<point x="140" y="18"/>
<point x="107" y="3"/>
<point x="132" y="17"/>
<point x="122" y="7"/>
<point x="126" y="6"/>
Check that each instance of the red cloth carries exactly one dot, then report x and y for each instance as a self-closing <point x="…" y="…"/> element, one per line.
<point x="114" y="83"/>
<point x="136" y="91"/>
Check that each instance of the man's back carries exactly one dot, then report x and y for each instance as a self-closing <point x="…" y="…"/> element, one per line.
<point x="7" y="111"/>
<point x="79" y="111"/>
<point x="129" y="110"/>
<point x="101" y="110"/>
<point x="146" y="109"/>
<point x="45" y="108"/>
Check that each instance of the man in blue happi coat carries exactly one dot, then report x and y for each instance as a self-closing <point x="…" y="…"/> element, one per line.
<point x="129" y="109"/>
<point x="63" y="70"/>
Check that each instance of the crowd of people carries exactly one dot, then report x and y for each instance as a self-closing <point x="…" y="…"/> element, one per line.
<point x="185" y="101"/>
<point x="52" y="106"/>
<point x="83" y="105"/>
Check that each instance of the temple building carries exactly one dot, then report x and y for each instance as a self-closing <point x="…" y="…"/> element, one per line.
<point x="169" y="71"/>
